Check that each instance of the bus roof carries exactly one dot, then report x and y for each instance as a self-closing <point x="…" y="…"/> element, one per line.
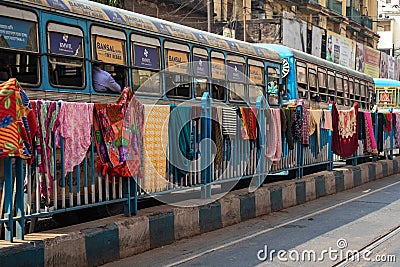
<point x="124" y="17"/>
<point x="386" y="82"/>
<point x="285" y="51"/>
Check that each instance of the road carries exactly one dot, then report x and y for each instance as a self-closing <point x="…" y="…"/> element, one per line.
<point x="318" y="233"/>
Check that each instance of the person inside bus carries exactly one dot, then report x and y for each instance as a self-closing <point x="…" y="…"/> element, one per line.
<point x="102" y="80"/>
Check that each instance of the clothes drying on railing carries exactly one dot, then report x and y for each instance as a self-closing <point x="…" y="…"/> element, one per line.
<point x="179" y="131"/>
<point x="74" y="123"/>
<point x="17" y="121"/>
<point x="397" y="129"/>
<point x="344" y="135"/>
<point x="361" y="126"/>
<point x="249" y="120"/>
<point x="47" y="114"/>
<point x="229" y="121"/>
<point x="327" y="120"/>
<point x="155" y="143"/>
<point x="370" y="143"/>
<point x="315" y="124"/>
<point x="118" y="136"/>
<point x="381" y="127"/>
<point x="305" y="136"/>
<point x="274" y="141"/>
<point x="287" y="118"/>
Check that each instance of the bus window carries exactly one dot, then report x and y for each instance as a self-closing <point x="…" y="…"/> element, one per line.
<point x="109" y="48"/>
<point x="256" y="79"/>
<point x="177" y="79"/>
<point x="363" y="94"/>
<point x="273" y="86"/>
<point x="357" y="91"/>
<point x="236" y="79"/>
<point x="312" y="83"/>
<point x="346" y="91"/>
<point x="331" y="84"/>
<point x="218" y="76"/>
<point x="65" y="48"/>
<point x="372" y="99"/>
<point x="339" y="89"/>
<point x="301" y="72"/>
<point x="19" y="59"/>
<point x="322" y="81"/>
<point x="146" y="65"/>
<point x="200" y="69"/>
<point x="351" y="90"/>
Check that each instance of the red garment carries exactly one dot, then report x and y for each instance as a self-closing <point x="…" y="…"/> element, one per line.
<point x="388" y="119"/>
<point x="345" y="131"/>
<point x="248" y="116"/>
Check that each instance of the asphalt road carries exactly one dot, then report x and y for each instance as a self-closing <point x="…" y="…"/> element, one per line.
<point x="319" y="233"/>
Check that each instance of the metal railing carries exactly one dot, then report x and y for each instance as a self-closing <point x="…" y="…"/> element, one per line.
<point x="354" y="14"/>
<point x="241" y="158"/>
<point x="335" y="6"/>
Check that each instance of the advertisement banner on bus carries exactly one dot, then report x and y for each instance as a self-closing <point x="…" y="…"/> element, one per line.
<point x="146" y="57"/>
<point x="176" y="60"/>
<point x="200" y="66"/>
<point x="110" y="50"/>
<point x="372" y="57"/>
<point x="16" y="34"/>
<point x="65" y="44"/>
<point x="235" y="72"/>
<point x="256" y="74"/>
<point x="218" y="68"/>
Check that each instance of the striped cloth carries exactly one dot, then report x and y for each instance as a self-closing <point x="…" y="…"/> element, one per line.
<point x="229" y="121"/>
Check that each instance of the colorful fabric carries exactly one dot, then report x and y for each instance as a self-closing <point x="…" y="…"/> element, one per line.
<point x="155" y="143"/>
<point x="248" y="116"/>
<point x="15" y="121"/>
<point x="344" y="135"/>
<point x="75" y="126"/>
<point x="297" y="127"/>
<point x="47" y="113"/>
<point x="305" y="140"/>
<point x="397" y="130"/>
<point x="388" y="122"/>
<point x="274" y="145"/>
<point x="118" y="136"/>
<point x="370" y="143"/>
<point x="315" y="117"/>
<point x="327" y="123"/>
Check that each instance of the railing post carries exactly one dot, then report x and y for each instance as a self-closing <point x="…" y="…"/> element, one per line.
<point x="391" y="133"/>
<point x="299" y="170"/>
<point x="205" y="147"/>
<point x="375" y="158"/>
<point x="330" y="152"/>
<point x="19" y="198"/>
<point x="129" y="187"/>
<point x="8" y="193"/>
<point x="260" y="104"/>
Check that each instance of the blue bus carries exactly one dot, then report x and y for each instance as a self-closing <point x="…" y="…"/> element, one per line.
<point x="50" y="47"/>
<point x="317" y="80"/>
<point x="387" y="93"/>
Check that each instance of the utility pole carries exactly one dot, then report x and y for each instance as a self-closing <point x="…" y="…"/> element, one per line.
<point x="244" y="20"/>
<point x="209" y="15"/>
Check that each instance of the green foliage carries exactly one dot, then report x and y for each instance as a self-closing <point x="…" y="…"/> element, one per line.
<point x="114" y="3"/>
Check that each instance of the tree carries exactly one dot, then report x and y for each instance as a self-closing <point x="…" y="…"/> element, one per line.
<point x="114" y="3"/>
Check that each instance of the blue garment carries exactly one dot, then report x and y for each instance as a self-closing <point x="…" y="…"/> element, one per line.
<point x="103" y="81"/>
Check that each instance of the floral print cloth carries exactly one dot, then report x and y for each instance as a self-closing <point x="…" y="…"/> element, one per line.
<point x="15" y="121"/>
<point x="75" y="124"/>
